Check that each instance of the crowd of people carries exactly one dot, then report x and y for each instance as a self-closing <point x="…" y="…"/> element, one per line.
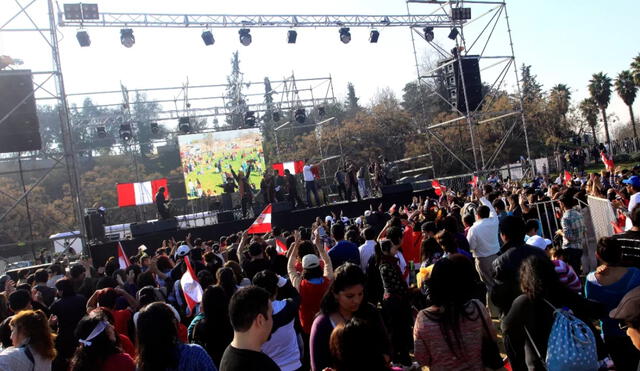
<point x="465" y="281"/>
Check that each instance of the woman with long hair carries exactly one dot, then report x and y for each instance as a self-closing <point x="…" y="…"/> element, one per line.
<point x="343" y="301"/>
<point x="352" y="347"/>
<point x="213" y="329"/>
<point x="448" y="334"/>
<point x="99" y="346"/>
<point x="226" y="279"/>
<point x="532" y="314"/>
<point x="158" y="344"/>
<point x="32" y="340"/>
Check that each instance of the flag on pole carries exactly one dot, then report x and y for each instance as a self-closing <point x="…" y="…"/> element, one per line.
<point x="607" y="160"/>
<point x="143" y="193"/>
<point x="437" y="187"/>
<point x="294" y="167"/>
<point x="281" y="246"/>
<point x="123" y="261"/>
<point x="262" y="224"/>
<point x="191" y="289"/>
<point x="567" y="178"/>
<point x="474" y="181"/>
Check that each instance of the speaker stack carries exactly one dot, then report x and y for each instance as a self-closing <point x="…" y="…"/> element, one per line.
<point x="472" y="81"/>
<point x="20" y="128"/>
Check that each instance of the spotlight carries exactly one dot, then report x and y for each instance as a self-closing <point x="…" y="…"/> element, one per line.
<point x="90" y="11"/>
<point x="321" y="111"/>
<point x="184" y="125"/>
<point x="345" y="35"/>
<point x="126" y="37"/>
<point x="101" y="131"/>
<point x="460" y="14"/>
<point x="453" y="34"/>
<point x="125" y="132"/>
<point x="245" y="36"/>
<point x="428" y="34"/>
<point x="155" y="129"/>
<point x="72" y="11"/>
<point x="276" y="116"/>
<point x="373" y="36"/>
<point x="292" y="36"/>
<point x="249" y="119"/>
<point x="83" y="38"/>
<point x="300" y="116"/>
<point x="207" y="37"/>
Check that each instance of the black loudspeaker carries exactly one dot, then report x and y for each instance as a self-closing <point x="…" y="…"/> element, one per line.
<point x="397" y="188"/>
<point x="163" y="225"/>
<point x="20" y="130"/>
<point x="225" y="217"/>
<point x="278" y="207"/>
<point x="472" y="82"/>
<point x="227" y="203"/>
<point x="94" y="223"/>
<point x="141" y="229"/>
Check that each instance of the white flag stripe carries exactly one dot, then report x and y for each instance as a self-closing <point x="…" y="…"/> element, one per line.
<point x="143" y="193"/>
<point x="290" y="165"/>
<point x="267" y="219"/>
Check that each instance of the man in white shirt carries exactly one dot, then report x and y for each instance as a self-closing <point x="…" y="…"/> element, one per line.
<point x="310" y="181"/>
<point x="368" y="249"/>
<point x="633" y="187"/>
<point x="483" y="240"/>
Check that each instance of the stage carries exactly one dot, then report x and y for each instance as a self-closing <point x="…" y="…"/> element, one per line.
<point x="287" y="220"/>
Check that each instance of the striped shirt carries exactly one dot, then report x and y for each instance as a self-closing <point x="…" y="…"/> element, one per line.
<point x="567" y="275"/>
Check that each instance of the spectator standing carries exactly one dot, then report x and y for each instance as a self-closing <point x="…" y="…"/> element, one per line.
<point x="66" y="312"/>
<point x="343" y="251"/>
<point x="32" y="341"/>
<point x="573" y="232"/>
<point x="368" y="248"/>
<point x="213" y="329"/>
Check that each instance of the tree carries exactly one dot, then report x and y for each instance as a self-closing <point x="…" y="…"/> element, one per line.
<point x="589" y="110"/>
<point x="635" y="69"/>
<point x="600" y="89"/>
<point x="626" y="89"/>
<point x="531" y="88"/>
<point x="235" y="101"/>
<point x="561" y="97"/>
<point x="352" y="99"/>
<point x="143" y="114"/>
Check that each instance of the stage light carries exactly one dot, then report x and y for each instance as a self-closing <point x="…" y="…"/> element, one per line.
<point x="126" y="37"/>
<point x="155" y="129"/>
<point x="453" y="34"/>
<point x="276" y="116"/>
<point x="83" y="38"/>
<point x="292" y="36"/>
<point x="245" y="36"/>
<point x="321" y="111"/>
<point x="101" y="131"/>
<point x="184" y="125"/>
<point x="345" y="35"/>
<point x="373" y="36"/>
<point x="428" y="34"/>
<point x="90" y="11"/>
<point x="207" y="37"/>
<point x="460" y="14"/>
<point x="125" y="132"/>
<point x="300" y="116"/>
<point x="249" y="119"/>
<point x="72" y="11"/>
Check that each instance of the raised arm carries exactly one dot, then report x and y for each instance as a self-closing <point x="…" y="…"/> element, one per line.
<point x="241" y="247"/>
<point x="133" y="303"/>
<point x="294" y="276"/>
<point x="328" y="267"/>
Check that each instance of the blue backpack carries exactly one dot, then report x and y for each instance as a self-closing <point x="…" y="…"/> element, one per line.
<point x="571" y="345"/>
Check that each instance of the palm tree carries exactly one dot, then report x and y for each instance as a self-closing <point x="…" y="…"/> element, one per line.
<point x="562" y="97"/>
<point x="635" y="69"/>
<point x="600" y="89"/>
<point x="589" y="110"/>
<point x="626" y="89"/>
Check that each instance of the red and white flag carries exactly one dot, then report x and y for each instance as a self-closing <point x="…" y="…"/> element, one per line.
<point x="474" y="181"/>
<point x="607" y="160"/>
<point x="567" y="178"/>
<point x="437" y="188"/>
<point x="262" y="224"/>
<point x="281" y="246"/>
<point x="123" y="261"/>
<point x="191" y="288"/>
<point x="143" y="193"/>
<point x="294" y="167"/>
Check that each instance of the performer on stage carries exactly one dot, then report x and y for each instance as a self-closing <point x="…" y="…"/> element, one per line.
<point x="161" y="204"/>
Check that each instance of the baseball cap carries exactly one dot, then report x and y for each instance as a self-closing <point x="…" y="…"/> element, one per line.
<point x="634" y="181"/>
<point x="328" y="219"/>
<point x="182" y="250"/>
<point x="629" y="307"/>
<point x="539" y="242"/>
<point x="310" y="261"/>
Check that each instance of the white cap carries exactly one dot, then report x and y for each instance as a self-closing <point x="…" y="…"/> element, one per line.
<point x="328" y="219"/>
<point x="182" y="250"/>
<point x="367" y="213"/>
<point x="345" y="220"/>
<point x="539" y="242"/>
<point x="310" y="261"/>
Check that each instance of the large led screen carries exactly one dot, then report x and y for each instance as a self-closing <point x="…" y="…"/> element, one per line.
<point x="207" y="159"/>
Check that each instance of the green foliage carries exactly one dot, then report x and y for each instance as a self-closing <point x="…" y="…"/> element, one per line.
<point x="236" y="100"/>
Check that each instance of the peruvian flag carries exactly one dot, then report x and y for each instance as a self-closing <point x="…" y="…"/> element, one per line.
<point x="143" y="193"/>
<point x="607" y="161"/>
<point x="281" y="246"/>
<point x="567" y="178"/>
<point x="262" y="224"/>
<point x="123" y="261"/>
<point x="437" y="187"/>
<point x="474" y="181"/>
<point x="295" y="167"/>
<point x="190" y="287"/>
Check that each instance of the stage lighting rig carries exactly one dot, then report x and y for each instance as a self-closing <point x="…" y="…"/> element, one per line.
<point x="245" y="36"/>
<point x="126" y="37"/>
<point x="460" y="14"/>
<point x="83" y="38"/>
<point x="428" y="34"/>
<point x="101" y="131"/>
<point x="300" y="116"/>
<point x="345" y="35"/>
<point x="155" y="129"/>
<point x="184" y="125"/>
<point x="453" y="34"/>
<point x="292" y="36"/>
<point x="373" y="36"/>
<point x="207" y="37"/>
<point x="249" y="119"/>
<point x="125" y="132"/>
<point x="276" y="116"/>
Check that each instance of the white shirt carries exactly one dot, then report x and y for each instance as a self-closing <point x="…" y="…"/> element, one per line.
<point x="282" y="346"/>
<point x="483" y="234"/>
<point x="366" y="252"/>
<point x="307" y="174"/>
<point x="16" y="359"/>
<point x="633" y="201"/>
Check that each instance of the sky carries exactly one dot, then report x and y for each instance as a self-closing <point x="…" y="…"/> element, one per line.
<point x="564" y="42"/>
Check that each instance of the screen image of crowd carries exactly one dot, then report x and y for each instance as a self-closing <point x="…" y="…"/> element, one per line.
<point x="210" y="160"/>
<point x="465" y="281"/>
